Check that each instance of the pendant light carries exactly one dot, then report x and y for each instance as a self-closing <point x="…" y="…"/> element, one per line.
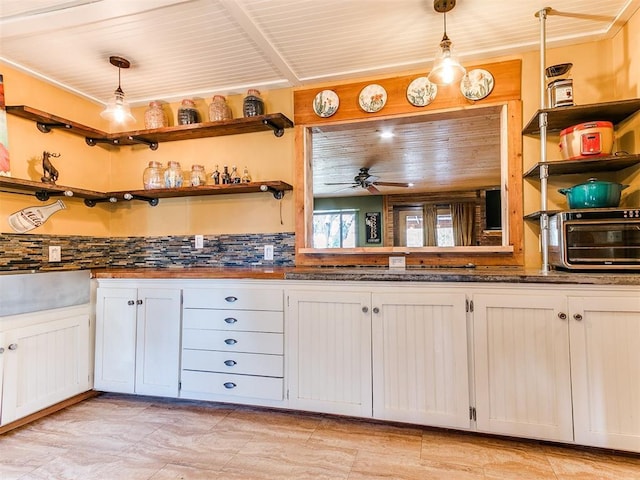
<point x="446" y="67"/>
<point x="118" y="110"/>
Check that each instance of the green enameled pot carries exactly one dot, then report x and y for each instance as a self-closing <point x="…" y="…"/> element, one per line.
<point x="594" y="194"/>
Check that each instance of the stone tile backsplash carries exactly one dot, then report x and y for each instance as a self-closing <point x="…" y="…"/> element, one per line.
<point x="31" y="252"/>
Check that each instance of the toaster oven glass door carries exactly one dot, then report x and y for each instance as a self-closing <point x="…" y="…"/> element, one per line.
<point x="603" y="243"/>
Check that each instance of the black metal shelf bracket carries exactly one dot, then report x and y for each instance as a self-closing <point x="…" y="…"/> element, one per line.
<point x="92" y="142"/>
<point x="151" y="201"/>
<point x="277" y="194"/>
<point x="92" y="202"/>
<point x="44" y="195"/>
<point x="152" y="145"/>
<point x="277" y="130"/>
<point x="46" y="127"/>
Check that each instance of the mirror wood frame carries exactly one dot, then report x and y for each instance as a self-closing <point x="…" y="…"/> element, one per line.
<point x="507" y="76"/>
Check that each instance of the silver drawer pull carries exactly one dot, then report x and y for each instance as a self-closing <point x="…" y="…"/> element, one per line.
<point x="230" y="320"/>
<point x="229" y="385"/>
<point x="231" y="299"/>
<point x="131" y="302"/>
<point x="230" y="341"/>
<point x="230" y="363"/>
<point x="13" y="346"/>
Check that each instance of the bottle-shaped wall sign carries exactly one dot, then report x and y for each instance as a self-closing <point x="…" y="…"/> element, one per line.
<point x="33" y="217"/>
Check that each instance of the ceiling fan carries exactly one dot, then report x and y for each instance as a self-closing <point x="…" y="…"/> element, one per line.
<point x="369" y="182"/>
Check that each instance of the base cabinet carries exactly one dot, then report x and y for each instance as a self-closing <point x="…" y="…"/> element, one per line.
<point x="44" y="360"/>
<point x="138" y="340"/>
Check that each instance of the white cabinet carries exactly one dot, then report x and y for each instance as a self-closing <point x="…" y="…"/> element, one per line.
<point x="522" y="371"/>
<point x="233" y="344"/>
<point x="329" y="354"/>
<point x="44" y="359"/>
<point x="420" y="363"/>
<point x="138" y="340"/>
<point x="605" y="370"/>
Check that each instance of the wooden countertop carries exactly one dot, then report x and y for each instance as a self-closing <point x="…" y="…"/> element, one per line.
<point x="274" y="273"/>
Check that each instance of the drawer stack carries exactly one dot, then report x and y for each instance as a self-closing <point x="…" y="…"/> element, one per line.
<point x="232" y="343"/>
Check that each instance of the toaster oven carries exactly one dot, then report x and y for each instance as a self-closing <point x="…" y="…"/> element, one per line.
<point x="595" y="239"/>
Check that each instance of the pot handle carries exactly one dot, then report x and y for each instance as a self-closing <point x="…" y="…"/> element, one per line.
<point x="563" y="191"/>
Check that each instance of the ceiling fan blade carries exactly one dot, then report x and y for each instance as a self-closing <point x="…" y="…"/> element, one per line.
<point x="372" y="189"/>
<point x="342" y="183"/>
<point x="392" y="184"/>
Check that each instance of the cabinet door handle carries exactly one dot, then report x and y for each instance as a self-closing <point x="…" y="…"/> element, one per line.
<point x="577" y="317"/>
<point x="131" y="302"/>
<point x="230" y="299"/>
<point x="139" y="302"/>
<point x="230" y="341"/>
<point x="365" y="309"/>
<point x="229" y="385"/>
<point x="230" y="320"/>
<point x="376" y="310"/>
<point x="230" y="363"/>
<point x="562" y="316"/>
<point x="13" y="346"/>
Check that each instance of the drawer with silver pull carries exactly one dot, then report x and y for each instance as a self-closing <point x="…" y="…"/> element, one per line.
<point x="233" y="298"/>
<point x="248" y="342"/>
<point x="247" y="320"/>
<point x="268" y="388"/>
<point x="232" y="362"/>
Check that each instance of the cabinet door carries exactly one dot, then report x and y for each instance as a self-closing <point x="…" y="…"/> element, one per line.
<point x="522" y="372"/>
<point x="158" y="342"/>
<point x="44" y="364"/>
<point x="420" y="365"/>
<point x="115" y="356"/>
<point x="605" y="371"/>
<point x="329" y="351"/>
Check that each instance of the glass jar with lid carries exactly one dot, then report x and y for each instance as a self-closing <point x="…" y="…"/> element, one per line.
<point x="188" y="113"/>
<point x="154" y="116"/>
<point x="152" y="176"/>
<point x="173" y="175"/>
<point x="253" y="105"/>
<point x="219" y="110"/>
<point x="198" y="176"/>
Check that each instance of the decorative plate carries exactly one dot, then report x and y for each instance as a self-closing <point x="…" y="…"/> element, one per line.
<point x="372" y="98"/>
<point x="326" y="103"/>
<point x="421" y="92"/>
<point x="476" y="84"/>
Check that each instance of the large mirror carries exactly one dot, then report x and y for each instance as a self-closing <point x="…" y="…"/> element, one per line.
<point x="426" y="181"/>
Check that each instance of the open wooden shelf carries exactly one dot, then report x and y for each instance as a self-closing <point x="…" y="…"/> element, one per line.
<point x="610" y="163"/>
<point x="45" y="122"/>
<point x="43" y="191"/>
<point x="560" y="118"/>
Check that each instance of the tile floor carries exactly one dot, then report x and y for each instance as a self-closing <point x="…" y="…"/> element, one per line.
<point x="130" y="438"/>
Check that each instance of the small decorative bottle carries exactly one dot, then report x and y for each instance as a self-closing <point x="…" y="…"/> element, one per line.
<point x="198" y="176"/>
<point x="187" y="113"/>
<point x="246" y="178"/>
<point x="32" y="217"/>
<point x="235" y="177"/>
<point x="225" y="178"/>
<point x="215" y="176"/>
<point x="173" y="175"/>
<point x="154" y="116"/>
<point x="219" y="110"/>
<point x="152" y="176"/>
<point x="252" y="105"/>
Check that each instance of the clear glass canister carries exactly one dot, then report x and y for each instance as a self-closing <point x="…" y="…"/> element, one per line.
<point x="198" y="176"/>
<point x="252" y="104"/>
<point x="173" y="175"/>
<point x="187" y="113"/>
<point x="154" y="116"/>
<point x="152" y="176"/>
<point x="219" y="110"/>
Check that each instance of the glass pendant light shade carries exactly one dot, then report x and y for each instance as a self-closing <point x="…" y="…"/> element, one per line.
<point x="446" y="67"/>
<point x="118" y="110"/>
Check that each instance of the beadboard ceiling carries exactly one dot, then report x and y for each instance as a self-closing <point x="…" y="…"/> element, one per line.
<point x="195" y="48"/>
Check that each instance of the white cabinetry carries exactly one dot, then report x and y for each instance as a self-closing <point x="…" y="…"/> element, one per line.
<point x="420" y="364"/>
<point x="233" y="344"/>
<point x="522" y="372"/>
<point x="44" y="359"/>
<point x="605" y="370"/>
<point x="138" y="340"/>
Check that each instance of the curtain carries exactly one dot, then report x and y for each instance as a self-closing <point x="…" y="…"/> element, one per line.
<point x="430" y="214"/>
<point x="462" y="217"/>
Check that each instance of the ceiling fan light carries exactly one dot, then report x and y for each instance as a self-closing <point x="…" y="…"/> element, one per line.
<point x="446" y="67"/>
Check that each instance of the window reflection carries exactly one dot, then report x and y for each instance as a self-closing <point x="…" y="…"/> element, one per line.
<point x="335" y="229"/>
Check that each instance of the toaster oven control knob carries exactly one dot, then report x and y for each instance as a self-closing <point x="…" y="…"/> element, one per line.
<point x="562" y="316"/>
<point x="577" y="317"/>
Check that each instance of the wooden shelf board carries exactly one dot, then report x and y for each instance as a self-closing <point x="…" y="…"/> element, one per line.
<point x="19" y="185"/>
<point x="560" y="118"/>
<point x="601" y="164"/>
<point x="48" y="119"/>
<point x="536" y="215"/>
<point x="253" y="187"/>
